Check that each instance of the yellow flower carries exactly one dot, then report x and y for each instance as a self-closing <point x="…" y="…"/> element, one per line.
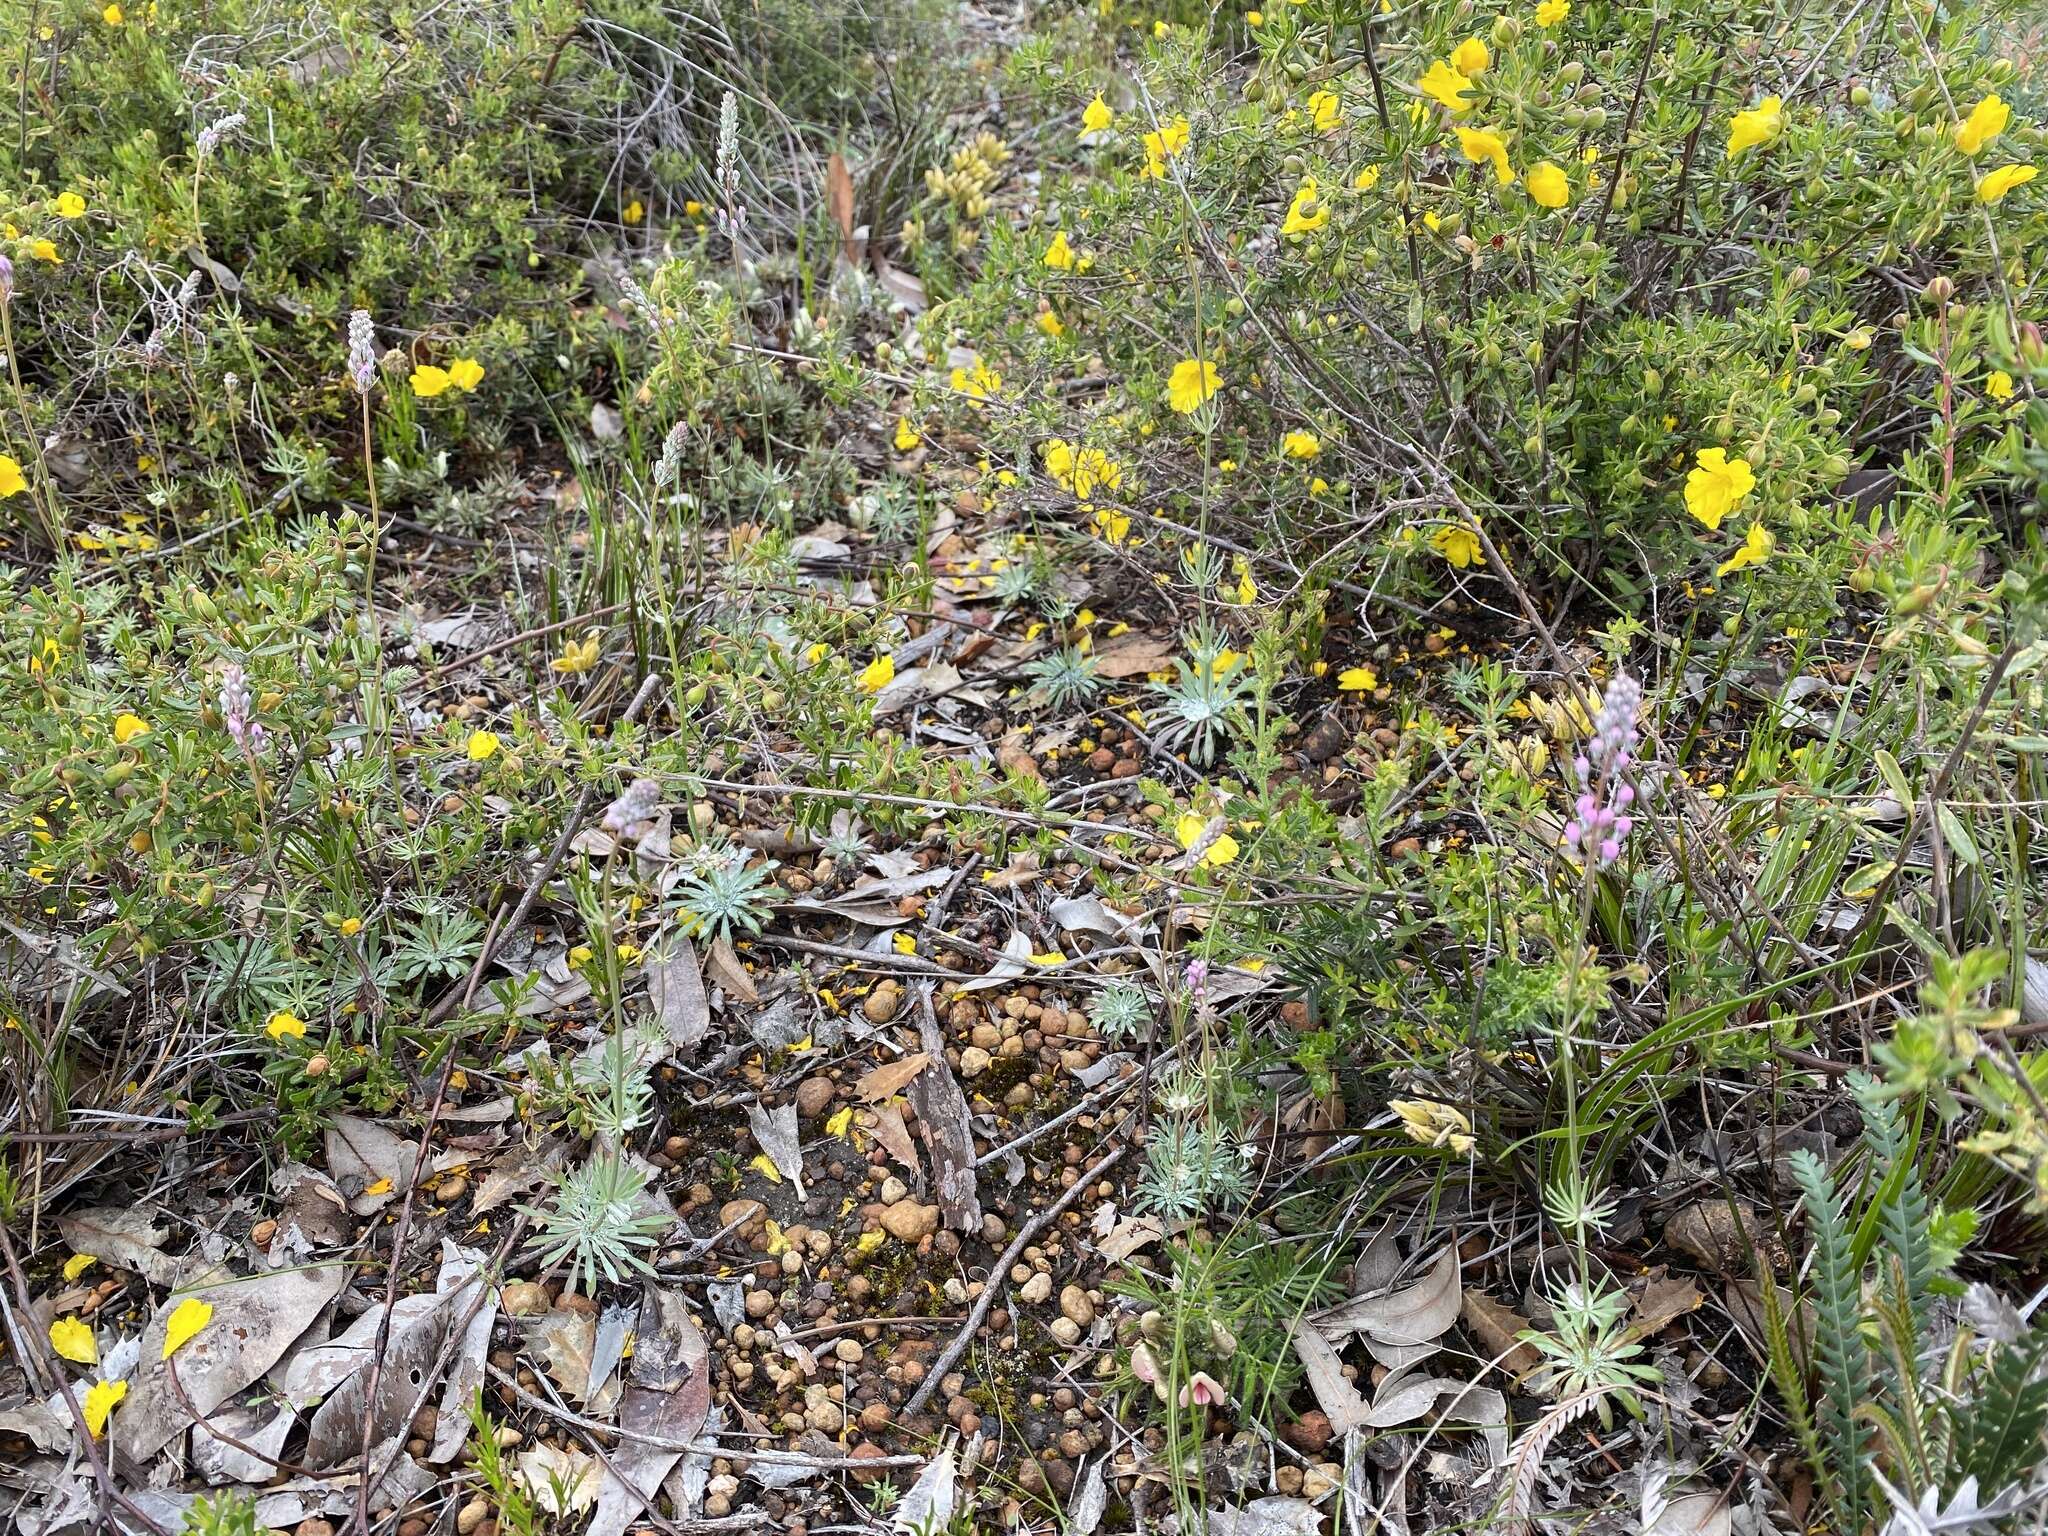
<point x="1432" y="220"/>
<point x="187" y="1318"/>
<point x="1470" y="57"/>
<point x="482" y="746"/>
<point x="70" y="206"/>
<point x="1716" y="485"/>
<point x="1191" y="385"/>
<point x="465" y="373"/>
<point x="1433" y="1124"/>
<point x="284" y="1024"/>
<point x="878" y="674"/>
<point x="1096" y="116"/>
<point x="128" y="727"/>
<point x="1756" y="549"/>
<point x="1300" y="445"/>
<point x="692" y="208"/>
<point x="351" y="926"/>
<point x="113" y="16"/>
<point x="1188" y="830"/>
<point x="1254" y="19"/>
<point x="1049" y="323"/>
<point x="2003" y="180"/>
<point x="1305" y="214"/>
<point x="977" y="383"/>
<point x="1550" y="12"/>
<point x="45" y="250"/>
<point x="1999" y="385"/>
<point x="100" y="1399"/>
<point x="1482" y="145"/>
<point x="577" y="655"/>
<point x="1093" y="470"/>
<point x="1059" y="255"/>
<point x="1457" y="544"/>
<point x="905" y="944"/>
<point x="1327" y="110"/>
<point x="78" y="1264"/>
<point x="634" y="212"/>
<point x="907" y="436"/>
<point x="1113" y="526"/>
<point x="1547" y="184"/>
<point x="579" y="956"/>
<point x="428" y="381"/>
<point x="1357" y="680"/>
<point x="1986" y="122"/>
<point x="1759" y="124"/>
<point x="1443" y="84"/>
<point x="1367" y="179"/>
<point x="1162" y="146"/>
<point x="73" y="1339"/>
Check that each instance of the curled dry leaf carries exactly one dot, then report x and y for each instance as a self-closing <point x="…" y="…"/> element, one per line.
<point x="891" y="1078"/>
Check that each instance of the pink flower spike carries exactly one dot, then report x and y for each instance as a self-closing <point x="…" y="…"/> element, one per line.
<point x="1145" y="1365"/>
<point x="1204" y="1389"/>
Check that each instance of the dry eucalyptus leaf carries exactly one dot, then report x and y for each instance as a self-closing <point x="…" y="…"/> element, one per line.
<point x="1413" y="1315"/>
<point x="562" y="1483"/>
<point x="667" y="1397"/>
<point x="675" y="990"/>
<point x="254" y="1322"/>
<point x="126" y="1237"/>
<point x="775" y="1133"/>
<point x="891" y="1078"/>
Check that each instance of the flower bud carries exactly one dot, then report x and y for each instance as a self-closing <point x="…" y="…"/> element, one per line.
<point x="1506" y="31"/>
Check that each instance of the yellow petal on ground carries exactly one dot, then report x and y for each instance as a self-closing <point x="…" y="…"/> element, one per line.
<point x="764" y="1165"/>
<point x="72" y="1338"/>
<point x="99" y="1403"/>
<point x="78" y="1264"/>
<point x="187" y="1318"/>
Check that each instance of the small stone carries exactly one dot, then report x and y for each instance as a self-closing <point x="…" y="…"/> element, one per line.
<point x="760" y="1304"/>
<point x="907" y="1221"/>
<point x="1319" y="1480"/>
<point x="987" y="1036"/>
<point x="974" y="1061"/>
<point x="874" y="1419"/>
<point x="814" y="1096"/>
<point x="1076" y="1307"/>
<point x="1101" y="760"/>
<point x="881" y="1005"/>
<point x="737" y="1213"/>
<point x="1311" y="1433"/>
<point x="992" y="1228"/>
<point x="413" y="1525"/>
<point x="1406" y="848"/>
<point x="893" y="1190"/>
<point x="1066" y="1330"/>
<point x="451" y="1189"/>
<point x="522" y="1298"/>
<point x="1036" y="1290"/>
<point x="1020" y="1097"/>
<point x="1073" y="1444"/>
<point x="867" y="1450"/>
<point x="313" y="1526"/>
<point x="1127" y="769"/>
<point x="849" y="1351"/>
<point x="262" y="1233"/>
<point x="821" y="1413"/>
<point x="472" y="1515"/>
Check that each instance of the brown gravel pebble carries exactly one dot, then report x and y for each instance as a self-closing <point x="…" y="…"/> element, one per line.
<point x="814" y="1097"/>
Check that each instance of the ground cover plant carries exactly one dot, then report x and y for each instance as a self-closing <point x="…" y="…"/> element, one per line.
<point x="906" y="767"/>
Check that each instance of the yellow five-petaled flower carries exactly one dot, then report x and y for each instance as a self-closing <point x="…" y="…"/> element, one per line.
<point x="2001" y="181"/>
<point x="1986" y="122"/>
<point x="1716" y="485"/>
<point x="1192" y="382"/>
<point x="1760" y="124"/>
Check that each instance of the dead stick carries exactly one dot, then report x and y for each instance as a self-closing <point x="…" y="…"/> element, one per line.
<point x="1001" y="1267"/>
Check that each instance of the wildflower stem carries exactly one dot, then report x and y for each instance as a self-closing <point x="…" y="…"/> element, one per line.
<point x="44" y="492"/>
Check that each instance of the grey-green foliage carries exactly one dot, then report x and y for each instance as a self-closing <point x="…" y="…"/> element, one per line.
<point x="1888" y="1417"/>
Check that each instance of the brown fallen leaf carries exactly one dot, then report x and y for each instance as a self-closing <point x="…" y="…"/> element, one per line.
<point x="891" y="1078"/>
<point x="1662" y="1300"/>
<point x="1134" y="654"/>
<point x="1498" y="1329"/>
<point x="675" y="990"/>
<point x="941" y="1109"/>
<point x="886" y="1122"/>
<point x="725" y="969"/>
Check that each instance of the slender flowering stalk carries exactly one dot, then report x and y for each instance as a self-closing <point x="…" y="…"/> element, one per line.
<point x="1602" y="823"/>
<point x="362" y="352"/>
<point x="670" y="463"/>
<point x="237" y="709"/>
<point x="732" y="218"/>
<point x="211" y="135"/>
<point x="639" y="803"/>
<point x="44" y="491"/>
